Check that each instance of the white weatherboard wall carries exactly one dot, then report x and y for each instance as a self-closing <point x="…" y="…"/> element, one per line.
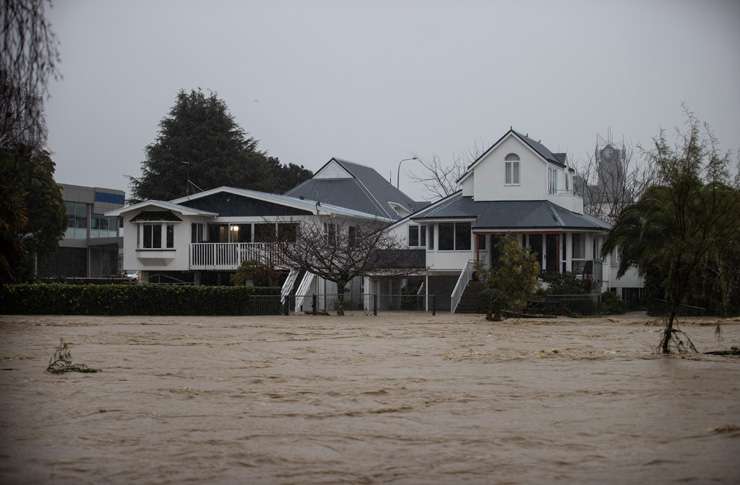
<point x="488" y="178"/>
<point x="136" y="259"/>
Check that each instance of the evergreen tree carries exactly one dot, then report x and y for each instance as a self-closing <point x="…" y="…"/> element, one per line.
<point x="200" y="146"/>
<point x="510" y="283"/>
<point x="32" y="217"/>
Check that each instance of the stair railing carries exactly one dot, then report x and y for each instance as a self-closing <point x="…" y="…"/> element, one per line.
<point x="462" y="282"/>
<point x="304" y="290"/>
<point x="288" y="284"/>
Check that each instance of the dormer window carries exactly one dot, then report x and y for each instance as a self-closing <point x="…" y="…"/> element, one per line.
<point x="512" y="169"/>
<point x="399" y="209"/>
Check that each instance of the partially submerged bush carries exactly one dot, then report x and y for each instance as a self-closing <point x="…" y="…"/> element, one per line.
<point x="65" y="299"/>
<point x="252" y="273"/>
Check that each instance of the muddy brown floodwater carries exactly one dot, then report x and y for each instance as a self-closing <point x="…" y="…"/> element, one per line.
<point x="404" y="397"/>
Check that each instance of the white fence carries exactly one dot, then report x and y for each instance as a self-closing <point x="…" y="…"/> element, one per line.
<point x="228" y="256"/>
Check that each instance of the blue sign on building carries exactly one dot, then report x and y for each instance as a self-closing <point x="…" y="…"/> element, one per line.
<point x="109" y="198"/>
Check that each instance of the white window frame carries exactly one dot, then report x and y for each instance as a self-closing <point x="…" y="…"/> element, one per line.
<point x="512" y="173"/>
<point x="552" y="180"/>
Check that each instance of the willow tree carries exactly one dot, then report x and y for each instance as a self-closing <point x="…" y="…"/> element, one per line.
<point x="673" y="227"/>
<point x="31" y="208"/>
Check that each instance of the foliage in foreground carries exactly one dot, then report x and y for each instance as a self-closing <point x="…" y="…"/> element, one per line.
<point x="684" y="226"/>
<point x="512" y="281"/>
<point x="32" y="216"/>
<point x="65" y="299"/>
<point x="252" y="273"/>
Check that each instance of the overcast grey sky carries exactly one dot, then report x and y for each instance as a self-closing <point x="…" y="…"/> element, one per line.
<point x="380" y="82"/>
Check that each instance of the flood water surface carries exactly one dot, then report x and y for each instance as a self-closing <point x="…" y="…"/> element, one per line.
<point x="406" y="398"/>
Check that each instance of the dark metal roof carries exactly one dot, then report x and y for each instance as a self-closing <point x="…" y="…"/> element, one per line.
<point x="512" y="214"/>
<point x="368" y="191"/>
<point x="556" y="158"/>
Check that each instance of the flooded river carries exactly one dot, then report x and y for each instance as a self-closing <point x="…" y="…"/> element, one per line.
<point x="405" y="398"/>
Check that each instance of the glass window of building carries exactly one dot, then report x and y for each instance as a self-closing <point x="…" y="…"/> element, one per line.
<point x="76" y="220"/>
<point x="462" y="236"/>
<point x="413" y="236"/>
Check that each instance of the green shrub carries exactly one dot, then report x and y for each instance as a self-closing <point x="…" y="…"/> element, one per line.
<point x="69" y="299"/>
<point x="565" y="284"/>
<point x="611" y="304"/>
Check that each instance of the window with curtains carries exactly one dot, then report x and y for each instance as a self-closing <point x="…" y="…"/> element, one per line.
<point x="511" y="163"/>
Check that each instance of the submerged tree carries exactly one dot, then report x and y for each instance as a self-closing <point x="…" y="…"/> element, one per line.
<point x="200" y="146"/>
<point x="512" y="279"/>
<point x="673" y="228"/>
<point x="339" y="250"/>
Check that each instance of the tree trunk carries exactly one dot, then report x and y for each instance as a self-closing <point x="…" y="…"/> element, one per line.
<point x="668" y="333"/>
<point x="340" y="298"/>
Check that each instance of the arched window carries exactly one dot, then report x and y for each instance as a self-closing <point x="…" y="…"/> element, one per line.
<point x="512" y="169"/>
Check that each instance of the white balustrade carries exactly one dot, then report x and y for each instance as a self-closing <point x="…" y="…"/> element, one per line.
<point x="228" y="256"/>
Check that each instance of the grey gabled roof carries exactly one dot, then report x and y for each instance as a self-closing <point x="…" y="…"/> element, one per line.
<point x="544" y="152"/>
<point x="304" y="203"/>
<point x="367" y="191"/>
<point x="162" y="204"/>
<point x="512" y="214"/>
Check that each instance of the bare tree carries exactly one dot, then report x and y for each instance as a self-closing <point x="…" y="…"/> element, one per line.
<point x="337" y="250"/>
<point x="439" y="178"/>
<point x="28" y="59"/>
<point x="608" y="186"/>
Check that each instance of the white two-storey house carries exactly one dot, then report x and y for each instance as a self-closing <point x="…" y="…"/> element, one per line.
<point x="516" y="187"/>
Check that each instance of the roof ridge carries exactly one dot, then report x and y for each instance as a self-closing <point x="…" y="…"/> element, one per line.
<point x="362" y="184"/>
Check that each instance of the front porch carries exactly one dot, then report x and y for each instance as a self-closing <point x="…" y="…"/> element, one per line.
<point x="556" y="251"/>
<point x="229" y="256"/>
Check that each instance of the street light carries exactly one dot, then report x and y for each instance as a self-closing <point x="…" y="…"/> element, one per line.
<point x="398" y="172"/>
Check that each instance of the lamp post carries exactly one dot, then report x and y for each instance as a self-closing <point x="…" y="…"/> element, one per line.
<point x="398" y="172"/>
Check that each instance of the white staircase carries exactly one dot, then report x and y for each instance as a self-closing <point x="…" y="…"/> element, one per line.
<point x="288" y="284"/>
<point x="462" y="282"/>
<point x="304" y="290"/>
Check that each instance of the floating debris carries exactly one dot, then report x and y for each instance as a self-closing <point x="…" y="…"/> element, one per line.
<point x="61" y="361"/>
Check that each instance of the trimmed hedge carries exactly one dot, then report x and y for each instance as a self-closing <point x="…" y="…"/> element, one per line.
<point x="143" y="299"/>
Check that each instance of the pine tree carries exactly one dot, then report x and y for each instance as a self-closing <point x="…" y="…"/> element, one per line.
<point x="200" y="146"/>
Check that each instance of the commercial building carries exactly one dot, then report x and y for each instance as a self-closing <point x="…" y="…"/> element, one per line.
<point x="92" y="246"/>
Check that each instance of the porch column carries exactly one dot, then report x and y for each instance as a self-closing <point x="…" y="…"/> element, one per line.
<point x="544" y="252"/>
<point x="426" y="290"/>
<point x="367" y="297"/>
<point x="476" y="248"/>
<point x="569" y="252"/>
